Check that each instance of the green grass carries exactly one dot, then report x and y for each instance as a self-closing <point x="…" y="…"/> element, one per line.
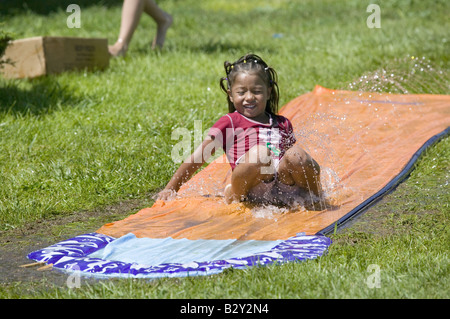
<point x="408" y="244"/>
<point x="82" y="140"/>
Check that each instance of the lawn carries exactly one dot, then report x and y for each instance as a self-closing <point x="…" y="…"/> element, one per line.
<point x="83" y="140"/>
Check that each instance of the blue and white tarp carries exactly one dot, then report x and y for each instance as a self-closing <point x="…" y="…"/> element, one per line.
<point x="101" y="256"/>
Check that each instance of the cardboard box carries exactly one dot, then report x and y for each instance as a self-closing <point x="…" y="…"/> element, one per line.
<point x="38" y="56"/>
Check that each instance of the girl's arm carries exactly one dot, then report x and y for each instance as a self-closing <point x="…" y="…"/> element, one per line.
<point x="188" y="168"/>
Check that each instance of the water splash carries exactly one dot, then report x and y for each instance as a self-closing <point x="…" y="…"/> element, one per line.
<point x="330" y="181"/>
<point x="332" y="192"/>
<point x="408" y="75"/>
<point x="268" y="212"/>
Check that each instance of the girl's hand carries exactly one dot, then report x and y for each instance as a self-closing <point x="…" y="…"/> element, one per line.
<point x="166" y="195"/>
<point x="186" y="170"/>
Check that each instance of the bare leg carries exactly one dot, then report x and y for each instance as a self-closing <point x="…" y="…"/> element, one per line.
<point x="131" y="14"/>
<point x="253" y="169"/>
<point x="298" y="168"/>
<point x="162" y="19"/>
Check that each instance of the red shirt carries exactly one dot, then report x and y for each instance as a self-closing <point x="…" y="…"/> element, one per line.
<point x="238" y="134"/>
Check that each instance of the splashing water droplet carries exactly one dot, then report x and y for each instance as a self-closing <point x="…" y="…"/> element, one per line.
<point x="404" y="76"/>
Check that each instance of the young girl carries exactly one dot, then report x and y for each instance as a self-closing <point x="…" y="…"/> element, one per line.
<point x="267" y="166"/>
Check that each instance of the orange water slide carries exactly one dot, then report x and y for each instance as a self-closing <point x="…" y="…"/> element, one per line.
<point x="362" y="141"/>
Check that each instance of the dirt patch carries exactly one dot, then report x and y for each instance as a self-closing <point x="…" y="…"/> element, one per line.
<point x="16" y="244"/>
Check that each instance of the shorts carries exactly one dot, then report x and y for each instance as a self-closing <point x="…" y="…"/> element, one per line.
<point x="276" y="193"/>
<point x="275" y="162"/>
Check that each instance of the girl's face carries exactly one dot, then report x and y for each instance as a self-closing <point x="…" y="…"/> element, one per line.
<point x="249" y="94"/>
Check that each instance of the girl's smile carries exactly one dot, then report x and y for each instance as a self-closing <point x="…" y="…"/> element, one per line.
<point x="249" y="94"/>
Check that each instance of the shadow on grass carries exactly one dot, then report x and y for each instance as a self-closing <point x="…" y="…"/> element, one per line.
<point x="235" y="50"/>
<point x="42" y="96"/>
<point x="45" y="7"/>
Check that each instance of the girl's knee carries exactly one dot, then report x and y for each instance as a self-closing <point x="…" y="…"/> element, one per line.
<point x="258" y="154"/>
<point x="296" y="156"/>
<point x="256" y="164"/>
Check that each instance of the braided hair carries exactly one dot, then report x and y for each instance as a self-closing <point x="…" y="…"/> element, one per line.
<point x="252" y="63"/>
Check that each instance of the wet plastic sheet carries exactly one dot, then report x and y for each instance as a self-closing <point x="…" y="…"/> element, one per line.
<point x="362" y="141"/>
<point x="79" y="255"/>
<point x="155" y="251"/>
<point x="365" y="143"/>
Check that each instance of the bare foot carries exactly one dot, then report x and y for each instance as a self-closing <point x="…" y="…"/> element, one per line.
<point x="118" y="49"/>
<point x="166" y="195"/>
<point x="229" y="196"/>
<point x="161" y="30"/>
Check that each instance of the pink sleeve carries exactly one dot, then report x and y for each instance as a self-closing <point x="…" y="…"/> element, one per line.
<point x="291" y="135"/>
<point x="287" y="132"/>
